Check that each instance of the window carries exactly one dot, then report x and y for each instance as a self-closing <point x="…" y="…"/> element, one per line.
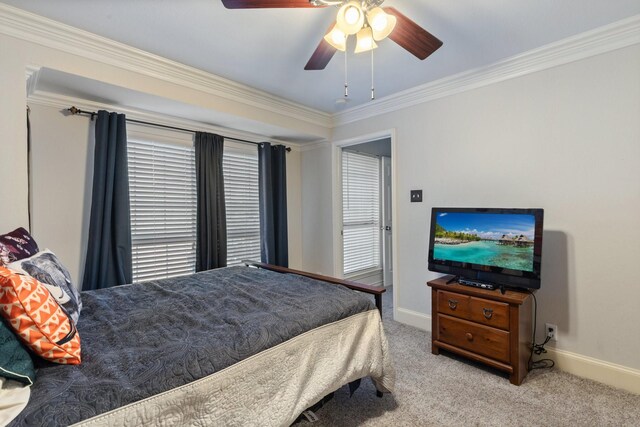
<point x="162" y="188"/>
<point x="361" y="212"/>
<point x="240" y="166"/>
<point x="163" y="196"/>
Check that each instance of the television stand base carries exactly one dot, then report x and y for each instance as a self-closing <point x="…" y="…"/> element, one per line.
<point x="482" y="325"/>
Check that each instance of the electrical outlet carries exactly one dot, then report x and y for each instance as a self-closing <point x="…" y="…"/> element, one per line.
<point x="416" y="196"/>
<point x="552" y="331"/>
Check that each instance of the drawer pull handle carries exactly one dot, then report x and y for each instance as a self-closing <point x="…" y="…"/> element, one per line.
<point x="488" y="312"/>
<point x="469" y="336"/>
<point x="453" y="304"/>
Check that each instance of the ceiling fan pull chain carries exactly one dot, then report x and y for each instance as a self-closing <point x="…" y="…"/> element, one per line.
<point x="373" y="90"/>
<point x="346" y="81"/>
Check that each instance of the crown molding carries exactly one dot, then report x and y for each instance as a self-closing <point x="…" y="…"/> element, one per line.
<point x="32" y="73"/>
<point x="48" y="99"/>
<point x="600" y="40"/>
<point x="36" y="29"/>
<point x="314" y="145"/>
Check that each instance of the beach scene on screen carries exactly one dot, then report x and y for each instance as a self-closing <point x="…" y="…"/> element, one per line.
<point x="497" y="240"/>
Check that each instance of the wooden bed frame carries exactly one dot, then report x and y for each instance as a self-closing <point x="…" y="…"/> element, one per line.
<point x="368" y="289"/>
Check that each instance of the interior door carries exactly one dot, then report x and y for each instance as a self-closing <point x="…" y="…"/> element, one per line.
<point x="387" y="229"/>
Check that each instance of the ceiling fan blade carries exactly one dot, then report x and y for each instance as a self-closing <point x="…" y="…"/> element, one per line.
<point x="411" y="36"/>
<point x="257" y="4"/>
<point x="321" y="56"/>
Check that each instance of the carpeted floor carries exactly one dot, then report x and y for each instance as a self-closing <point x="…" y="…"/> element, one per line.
<point x="448" y="391"/>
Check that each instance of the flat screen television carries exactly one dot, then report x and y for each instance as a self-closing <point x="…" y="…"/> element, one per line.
<point x="487" y="247"/>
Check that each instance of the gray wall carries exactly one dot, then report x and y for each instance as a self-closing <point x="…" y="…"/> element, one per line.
<point x="566" y="139"/>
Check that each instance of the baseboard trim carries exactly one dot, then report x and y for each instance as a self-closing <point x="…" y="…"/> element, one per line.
<point x="412" y="318"/>
<point x="598" y="370"/>
<point x="611" y="374"/>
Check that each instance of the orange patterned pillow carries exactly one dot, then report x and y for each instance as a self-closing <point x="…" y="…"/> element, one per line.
<point x="38" y="319"/>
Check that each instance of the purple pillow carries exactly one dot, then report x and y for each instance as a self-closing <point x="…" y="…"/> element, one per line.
<point x="16" y="245"/>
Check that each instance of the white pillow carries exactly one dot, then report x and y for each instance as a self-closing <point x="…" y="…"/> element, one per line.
<point x="13" y="398"/>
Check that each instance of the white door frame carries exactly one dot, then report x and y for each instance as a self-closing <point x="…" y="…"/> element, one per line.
<point x="336" y="156"/>
<point x="386" y="220"/>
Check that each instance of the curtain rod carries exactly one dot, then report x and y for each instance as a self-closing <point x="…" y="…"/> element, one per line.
<point x="76" y="111"/>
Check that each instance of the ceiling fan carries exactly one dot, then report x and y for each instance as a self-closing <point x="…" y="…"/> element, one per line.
<point x="362" y="17"/>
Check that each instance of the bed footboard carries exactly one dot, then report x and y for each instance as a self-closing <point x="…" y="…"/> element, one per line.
<point x="368" y="289"/>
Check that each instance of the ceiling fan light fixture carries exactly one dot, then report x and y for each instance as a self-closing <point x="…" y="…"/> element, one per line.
<point x="350" y="18"/>
<point x="337" y="38"/>
<point x="381" y="23"/>
<point x="365" y="40"/>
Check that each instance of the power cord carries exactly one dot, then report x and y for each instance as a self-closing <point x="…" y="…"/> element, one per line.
<point x="538" y="349"/>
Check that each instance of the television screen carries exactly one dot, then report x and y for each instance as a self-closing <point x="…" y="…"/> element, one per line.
<point x="496" y="245"/>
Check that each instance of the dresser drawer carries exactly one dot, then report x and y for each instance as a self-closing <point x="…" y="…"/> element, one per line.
<point x="480" y="339"/>
<point x="456" y="305"/>
<point x="487" y="312"/>
<point x="491" y="313"/>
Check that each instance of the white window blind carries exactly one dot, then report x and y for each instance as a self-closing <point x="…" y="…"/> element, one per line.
<point x="162" y="187"/>
<point x="240" y="166"/>
<point x="361" y="211"/>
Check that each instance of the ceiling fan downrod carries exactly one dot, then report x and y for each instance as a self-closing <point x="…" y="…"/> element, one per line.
<point x="346" y="80"/>
<point x="373" y="89"/>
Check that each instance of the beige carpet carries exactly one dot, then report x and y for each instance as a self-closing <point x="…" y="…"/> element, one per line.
<point x="448" y="391"/>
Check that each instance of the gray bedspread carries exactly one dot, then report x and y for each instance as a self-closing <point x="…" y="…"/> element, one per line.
<point x="140" y="340"/>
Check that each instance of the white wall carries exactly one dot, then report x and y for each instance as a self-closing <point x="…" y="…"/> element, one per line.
<point x="61" y="181"/>
<point x="294" y="208"/>
<point x="566" y="139"/>
<point x="317" y="210"/>
<point x="13" y="142"/>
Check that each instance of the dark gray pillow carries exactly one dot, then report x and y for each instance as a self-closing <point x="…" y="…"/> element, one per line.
<point x="47" y="269"/>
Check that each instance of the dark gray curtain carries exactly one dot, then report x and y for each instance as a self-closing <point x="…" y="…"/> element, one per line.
<point x="108" y="261"/>
<point x="211" y="238"/>
<point x="272" y="173"/>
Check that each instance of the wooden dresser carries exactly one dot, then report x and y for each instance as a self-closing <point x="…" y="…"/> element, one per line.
<point x="483" y="325"/>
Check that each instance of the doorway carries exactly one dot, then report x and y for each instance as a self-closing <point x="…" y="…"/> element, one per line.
<point x="366" y="231"/>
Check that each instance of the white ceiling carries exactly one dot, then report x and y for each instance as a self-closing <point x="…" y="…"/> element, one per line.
<point x="268" y="48"/>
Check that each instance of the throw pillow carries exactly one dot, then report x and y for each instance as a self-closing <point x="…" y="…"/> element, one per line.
<point x="15" y="362"/>
<point x="16" y="245"/>
<point x="38" y="319"/>
<point x="48" y="270"/>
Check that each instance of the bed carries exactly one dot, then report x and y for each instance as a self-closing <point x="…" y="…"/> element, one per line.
<point x="233" y="346"/>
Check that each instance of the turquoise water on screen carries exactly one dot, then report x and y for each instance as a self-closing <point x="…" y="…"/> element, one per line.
<point x="487" y="253"/>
